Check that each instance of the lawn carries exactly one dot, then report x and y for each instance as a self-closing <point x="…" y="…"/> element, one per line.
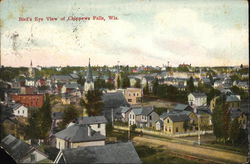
<point x="157" y="155"/>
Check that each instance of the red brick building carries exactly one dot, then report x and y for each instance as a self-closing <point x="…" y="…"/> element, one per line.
<point x="29" y="100"/>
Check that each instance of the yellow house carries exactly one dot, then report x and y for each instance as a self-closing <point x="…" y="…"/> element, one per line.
<point x="174" y="123"/>
<point x="78" y="135"/>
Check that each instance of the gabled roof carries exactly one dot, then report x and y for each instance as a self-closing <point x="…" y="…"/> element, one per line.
<point x="198" y="94"/>
<point x="114" y="100"/>
<point x="143" y="110"/>
<point x="79" y="133"/>
<point x="72" y="85"/>
<point x="74" y="76"/>
<point x="110" y="153"/>
<point x="149" y="78"/>
<point x="124" y="109"/>
<point x="181" y="107"/>
<point x="178" y="117"/>
<point x="16" y="106"/>
<point x="16" y="148"/>
<point x="92" y="120"/>
<point x="232" y="98"/>
<point x="61" y="77"/>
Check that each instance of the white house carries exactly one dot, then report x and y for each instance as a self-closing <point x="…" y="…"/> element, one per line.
<point x="30" y="82"/>
<point x="20" y="110"/>
<point x="143" y="117"/>
<point x="97" y="123"/>
<point x="197" y="99"/>
<point x="78" y="135"/>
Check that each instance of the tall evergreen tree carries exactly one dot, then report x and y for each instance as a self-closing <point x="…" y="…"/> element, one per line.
<point x="190" y="84"/>
<point x="45" y="117"/>
<point x="234" y="131"/>
<point x="93" y="103"/>
<point x="155" y="86"/>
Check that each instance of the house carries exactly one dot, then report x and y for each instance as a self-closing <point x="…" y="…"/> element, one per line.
<point x="233" y="101"/>
<point x="197" y="99"/>
<point x="143" y="116"/>
<point x="28" y="90"/>
<point x="20" y="110"/>
<point x="72" y="88"/>
<point x="241" y="116"/>
<point x="20" y="151"/>
<point x="70" y="99"/>
<point x="133" y="95"/>
<point x="30" y="82"/>
<point x="205" y="116"/>
<point x="78" y="135"/>
<point x="29" y="100"/>
<point x="125" y="113"/>
<point x="182" y="107"/>
<point x="57" y="117"/>
<point x="113" y="101"/>
<point x="159" y="124"/>
<point x="97" y="123"/>
<point x="148" y="80"/>
<point x="61" y="78"/>
<point x="110" y="153"/>
<point x="174" y="123"/>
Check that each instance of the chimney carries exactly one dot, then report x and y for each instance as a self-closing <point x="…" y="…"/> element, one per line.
<point x="89" y="131"/>
<point x="195" y="109"/>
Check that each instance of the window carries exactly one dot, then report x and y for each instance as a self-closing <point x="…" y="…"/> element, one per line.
<point x="176" y="129"/>
<point x="18" y="111"/>
<point x="169" y="129"/>
<point x="98" y="125"/>
<point x="23" y="111"/>
<point x="167" y="120"/>
<point x="59" y="145"/>
<point x="130" y="116"/>
<point x="150" y="117"/>
<point x="134" y="94"/>
<point x="129" y="100"/>
<point x="32" y="157"/>
<point x="133" y="116"/>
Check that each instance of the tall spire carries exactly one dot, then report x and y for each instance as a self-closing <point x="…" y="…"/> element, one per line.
<point x="89" y="77"/>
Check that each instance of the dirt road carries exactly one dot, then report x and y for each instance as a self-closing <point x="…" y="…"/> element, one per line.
<point x="216" y="155"/>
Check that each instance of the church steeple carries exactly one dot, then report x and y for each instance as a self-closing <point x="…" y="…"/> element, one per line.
<point x="89" y="84"/>
<point x="89" y="77"/>
<point x="31" y="71"/>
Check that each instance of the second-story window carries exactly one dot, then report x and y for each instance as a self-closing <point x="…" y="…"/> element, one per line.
<point x="98" y="125"/>
<point x="150" y="117"/>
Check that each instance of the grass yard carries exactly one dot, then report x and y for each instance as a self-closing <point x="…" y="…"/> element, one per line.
<point x="157" y="155"/>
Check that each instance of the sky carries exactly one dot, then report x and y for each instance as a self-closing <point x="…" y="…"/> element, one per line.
<point x="147" y="32"/>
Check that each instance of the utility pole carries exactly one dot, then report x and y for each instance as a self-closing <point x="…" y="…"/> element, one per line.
<point x="199" y="136"/>
<point x="112" y="117"/>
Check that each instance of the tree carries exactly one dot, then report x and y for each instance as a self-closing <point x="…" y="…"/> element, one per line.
<point x="81" y="79"/>
<point x="138" y="83"/>
<point x="45" y="117"/>
<point x="221" y="120"/>
<point x="93" y="103"/>
<point x="234" y="131"/>
<point x="146" y="89"/>
<point x="125" y="81"/>
<point x="155" y="86"/>
<point x="118" y="81"/>
<point x="39" y="122"/>
<point x="69" y="115"/>
<point x="190" y="84"/>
